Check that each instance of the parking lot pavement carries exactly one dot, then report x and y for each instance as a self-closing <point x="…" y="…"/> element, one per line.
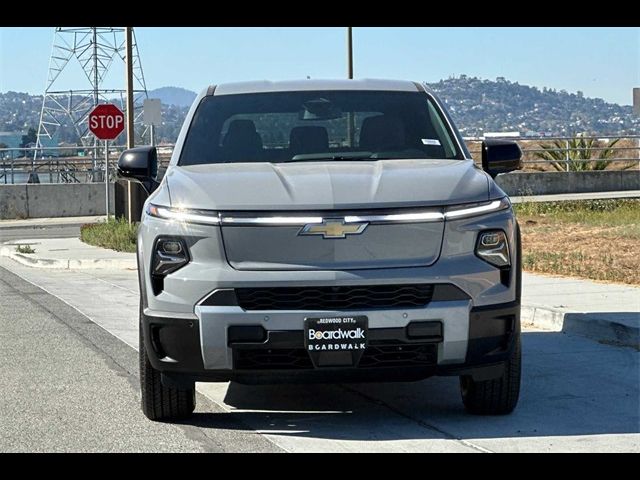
<point x="577" y="394"/>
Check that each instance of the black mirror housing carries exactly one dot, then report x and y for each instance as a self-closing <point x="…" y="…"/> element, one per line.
<point x="140" y="164"/>
<point x="500" y="156"/>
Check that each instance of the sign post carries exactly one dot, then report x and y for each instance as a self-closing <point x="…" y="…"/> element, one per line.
<point x="106" y="176"/>
<point x="106" y="122"/>
<point x="152" y="115"/>
<point x="636" y="111"/>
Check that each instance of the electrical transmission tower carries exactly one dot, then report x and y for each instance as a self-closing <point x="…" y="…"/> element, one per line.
<point x="65" y="109"/>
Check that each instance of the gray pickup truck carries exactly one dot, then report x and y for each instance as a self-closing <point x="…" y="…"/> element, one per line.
<point x="326" y="231"/>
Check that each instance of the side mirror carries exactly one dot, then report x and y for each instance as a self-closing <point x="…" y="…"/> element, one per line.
<point x="140" y="164"/>
<point x="500" y="156"/>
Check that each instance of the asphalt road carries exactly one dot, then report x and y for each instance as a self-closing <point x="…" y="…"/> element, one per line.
<point x="68" y="380"/>
<point x="70" y="386"/>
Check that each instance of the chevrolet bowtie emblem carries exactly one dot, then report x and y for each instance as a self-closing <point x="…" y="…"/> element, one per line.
<point x="333" y="229"/>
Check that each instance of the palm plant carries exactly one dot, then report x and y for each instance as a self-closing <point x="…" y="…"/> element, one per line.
<point x="573" y="154"/>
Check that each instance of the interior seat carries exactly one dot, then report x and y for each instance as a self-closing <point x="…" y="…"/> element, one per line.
<point x="382" y="133"/>
<point x="242" y="141"/>
<point x="308" y="139"/>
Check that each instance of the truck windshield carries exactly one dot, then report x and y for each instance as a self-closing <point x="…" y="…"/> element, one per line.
<point x="307" y="126"/>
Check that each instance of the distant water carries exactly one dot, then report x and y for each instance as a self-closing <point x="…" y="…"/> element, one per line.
<point x="17" y="178"/>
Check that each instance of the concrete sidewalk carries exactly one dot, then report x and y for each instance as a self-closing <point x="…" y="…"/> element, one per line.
<point x="608" y="312"/>
<point x="67" y="253"/>
<point x="605" y="311"/>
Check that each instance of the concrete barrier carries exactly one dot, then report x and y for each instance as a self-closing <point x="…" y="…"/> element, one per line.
<point x="552" y="183"/>
<point x="13" y="201"/>
<point x="53" y="200"/>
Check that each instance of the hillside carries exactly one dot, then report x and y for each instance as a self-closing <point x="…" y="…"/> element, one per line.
<point x="180" y="97"/>
<point x="477" y="106"/>
<point x="480" y="106"/>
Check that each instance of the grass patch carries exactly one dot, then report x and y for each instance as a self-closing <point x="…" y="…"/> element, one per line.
<point x="25" y="249"/>
<point x="589" y="212"/>
<point x="595" y="239"/>
<point x="116" y="234"/>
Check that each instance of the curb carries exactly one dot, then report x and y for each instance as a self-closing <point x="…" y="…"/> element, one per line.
<point x="41" y="226"/>
<point x="603" y="327"/>
<point x="69" y="264"/>
<point x="48" y="222"/>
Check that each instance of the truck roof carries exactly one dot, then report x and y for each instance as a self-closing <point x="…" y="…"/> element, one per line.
<point x="264" y="86"/>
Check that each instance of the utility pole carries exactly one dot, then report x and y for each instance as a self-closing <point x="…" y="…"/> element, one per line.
<point x="636" y="111"/>
<point x="349" y="53"/>
<point x="130" y="131"/>
<point x="129" y="93"/>
<point x="96" y="99"/>
<point x="350" y="118"/>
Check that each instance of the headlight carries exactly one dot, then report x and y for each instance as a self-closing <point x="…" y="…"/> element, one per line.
<point x="493" y="248"/>
<point x="169" y="254"/>
<point x="473" y="209"/>
<point x="203" y="217"/>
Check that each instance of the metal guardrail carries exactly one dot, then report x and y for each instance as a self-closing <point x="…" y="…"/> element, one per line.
<point x="63" y="164"/>
<point x="69" y="164"/>
<point x="626" y="150"/>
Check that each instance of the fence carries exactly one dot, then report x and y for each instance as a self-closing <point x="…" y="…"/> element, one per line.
<point x="70" y="164"/>
<point x="63" y="164"/>
<point x="577" y="153"/>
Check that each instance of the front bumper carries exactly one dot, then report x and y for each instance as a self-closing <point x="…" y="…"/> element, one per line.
<point x="188" y="350"/>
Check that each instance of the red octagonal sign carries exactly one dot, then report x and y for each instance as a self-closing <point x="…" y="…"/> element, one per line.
<point x="106" y="121"/>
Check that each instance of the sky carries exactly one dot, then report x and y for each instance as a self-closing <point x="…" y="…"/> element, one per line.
<point x="600" y="62"/>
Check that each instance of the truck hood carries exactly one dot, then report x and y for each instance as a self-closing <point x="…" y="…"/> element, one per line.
<point x="326" y="185"/>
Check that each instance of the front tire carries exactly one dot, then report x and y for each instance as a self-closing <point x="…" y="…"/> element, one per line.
<point x="498" y="396"/>
<point x="158" y="401"/>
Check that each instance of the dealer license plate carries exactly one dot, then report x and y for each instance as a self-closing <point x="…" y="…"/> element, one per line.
<point x="335" y="333"/>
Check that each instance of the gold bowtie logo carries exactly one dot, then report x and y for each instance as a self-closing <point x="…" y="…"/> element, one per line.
<point x="333" y="229"/>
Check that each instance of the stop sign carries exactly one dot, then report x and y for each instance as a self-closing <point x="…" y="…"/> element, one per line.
<point x="106" y="121"/>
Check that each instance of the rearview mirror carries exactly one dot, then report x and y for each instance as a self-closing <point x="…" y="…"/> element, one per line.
<point x="319" y="109"/>
<point x="500" y="156"/>
<point x="140" y="164"/>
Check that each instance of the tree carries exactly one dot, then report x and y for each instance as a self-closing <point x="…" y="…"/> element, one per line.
<point x="30" y="137"/>
<point x="580" y="150"/>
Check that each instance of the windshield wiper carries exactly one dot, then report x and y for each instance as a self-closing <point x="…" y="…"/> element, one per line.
<point x="319" y="157"/>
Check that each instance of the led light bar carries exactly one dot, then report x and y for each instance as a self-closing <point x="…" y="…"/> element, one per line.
<point x="187" y="216"/>
<point x="206" y="217"/>
<point x="270" y="220"/>
<point x="432" y="216"/>
<point x="460" y="212"/>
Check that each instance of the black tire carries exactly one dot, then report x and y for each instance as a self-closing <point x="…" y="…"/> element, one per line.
<point x="158" y="401"/>
<point x="498" y="396"/>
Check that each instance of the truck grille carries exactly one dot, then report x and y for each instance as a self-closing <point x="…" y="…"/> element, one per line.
<point x="378" y="354"/>
<point x="335" y="298"/>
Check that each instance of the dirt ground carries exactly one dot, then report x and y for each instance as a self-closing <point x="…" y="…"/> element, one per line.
<point x="601" y="247"/>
